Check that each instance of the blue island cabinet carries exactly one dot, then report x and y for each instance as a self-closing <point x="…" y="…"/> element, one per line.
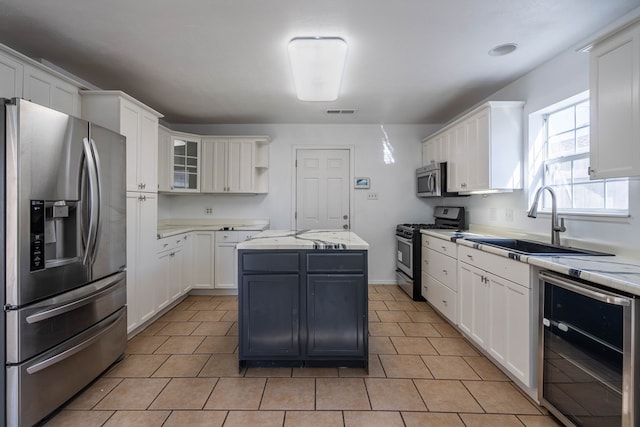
<point x="303" y="308"/>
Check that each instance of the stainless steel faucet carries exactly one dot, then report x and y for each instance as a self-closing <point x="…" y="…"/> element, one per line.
<point x="556" y="228"/>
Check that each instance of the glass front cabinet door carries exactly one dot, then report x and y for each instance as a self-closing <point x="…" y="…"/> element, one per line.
<point x="186" y="164"/>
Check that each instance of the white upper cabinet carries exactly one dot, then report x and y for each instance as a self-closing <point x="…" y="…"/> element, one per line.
<point x="615" y="105"/>
<point x="178" y="161"/>
<point x="50" y="91"/>
<point x="234" y="165"/>
<point x="11" y="77"/>
<point x="483" y="148"/>
<point x="119" y="112"/>
<point x="165" y="160"/>
<point x="435" y="150"/>
<point x="22" y="77"/>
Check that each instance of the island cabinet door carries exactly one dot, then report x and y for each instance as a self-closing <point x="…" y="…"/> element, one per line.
<point x="336" y="315"/>
<point x="270" y="313"/>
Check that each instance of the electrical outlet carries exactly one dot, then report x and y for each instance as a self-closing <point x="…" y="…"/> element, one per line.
<point x="208" y="211"/>
<point x="508" y="215"/>
<point x="372" y="196"/>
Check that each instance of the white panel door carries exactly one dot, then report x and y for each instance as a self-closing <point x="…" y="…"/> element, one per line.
<point x="322" y="189"/>
<point x="148" y="152"/>
<point x="45" y="89"/>
<point x="240" y="166"/>
<point x="213" y="178"/>
<point x="130" y="128"/>
<point x="204" y="252"/>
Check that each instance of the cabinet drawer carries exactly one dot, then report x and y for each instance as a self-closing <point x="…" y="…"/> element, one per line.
<point x="180" y="239"/>
<point x="441" y="267"/>
<point x="441" y="297"/>
<point x="226" y="236"/>
<point x="343" y="262"/>
<point x="265" y="261"/>
<point x="245" y="235"/>
<point x="171" y="242"/>
<point x="165" y="244"/>
<point x="509" y="269"/>
<point x="443" y="246"/>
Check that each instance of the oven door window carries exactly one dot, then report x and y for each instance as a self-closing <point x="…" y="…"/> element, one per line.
<point x="404" y="256"/>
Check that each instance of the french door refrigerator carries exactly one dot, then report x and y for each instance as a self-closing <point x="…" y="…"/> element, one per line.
<point x="64" y="255"/>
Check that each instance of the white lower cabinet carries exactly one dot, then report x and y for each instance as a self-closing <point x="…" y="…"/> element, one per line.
<point x="439" y="296"/>
<point x="172" y="264"/>
<point x="204" y="244"/>
<point x="495" y="312"/>
<point x="473" y="298"/>
<point x="214" y="258"/>
<point x="439" y="277"/>
<point x="508" y="324"/>
<point x="226" y="259"/>
<point x="142" y="217"/>
<point x="226" y="267"/>
<point x="188" y="263"/>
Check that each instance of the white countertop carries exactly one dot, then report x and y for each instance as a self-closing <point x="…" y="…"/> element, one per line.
<point x="167" y="228"/>
<point x="612" y="271"/>
<point x="305" y="239"/>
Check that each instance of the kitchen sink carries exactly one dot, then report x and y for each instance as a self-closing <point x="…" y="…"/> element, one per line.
<point x="529" y="247"/>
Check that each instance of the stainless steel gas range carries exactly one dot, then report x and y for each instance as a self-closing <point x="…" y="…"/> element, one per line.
<point x="409" y="247"/>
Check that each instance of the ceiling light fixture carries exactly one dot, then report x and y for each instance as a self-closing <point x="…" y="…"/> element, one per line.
<point x="317" y="64"/>
<point x="503" y="49"/>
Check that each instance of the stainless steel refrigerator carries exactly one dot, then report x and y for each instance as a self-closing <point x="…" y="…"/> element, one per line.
<point x="64" y="232"/>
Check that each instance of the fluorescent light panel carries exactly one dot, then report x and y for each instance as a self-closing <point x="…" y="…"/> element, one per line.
<point x="317" y="64"/>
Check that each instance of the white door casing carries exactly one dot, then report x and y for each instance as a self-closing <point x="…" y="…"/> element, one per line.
<point x="323" y="189"/>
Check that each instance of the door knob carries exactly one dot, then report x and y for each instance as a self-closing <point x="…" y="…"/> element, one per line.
<point x="346" y="226"/>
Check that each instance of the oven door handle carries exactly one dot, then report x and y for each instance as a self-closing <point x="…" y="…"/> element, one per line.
<point x="585" y="290"/>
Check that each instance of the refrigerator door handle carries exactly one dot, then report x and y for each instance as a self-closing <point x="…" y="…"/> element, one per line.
<point x="93" y="202"/>
<point x="103" y="288"/>
<point x="70" y="352"/>
<point x="98" y="228"/>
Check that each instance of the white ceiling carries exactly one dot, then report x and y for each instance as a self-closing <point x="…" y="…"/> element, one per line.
<point x="225" y="61"/>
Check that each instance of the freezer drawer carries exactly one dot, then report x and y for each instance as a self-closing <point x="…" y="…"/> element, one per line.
<point x="39" y="386"/>
<point x="38" y="327"/>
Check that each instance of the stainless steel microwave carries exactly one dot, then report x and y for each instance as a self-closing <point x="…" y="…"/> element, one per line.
<point x="432" y="181"/>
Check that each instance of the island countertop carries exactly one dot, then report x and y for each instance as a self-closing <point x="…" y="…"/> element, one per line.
<point x="305" y="239"/>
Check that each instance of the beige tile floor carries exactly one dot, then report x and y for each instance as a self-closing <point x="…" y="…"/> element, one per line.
<point x="182" y="370"/>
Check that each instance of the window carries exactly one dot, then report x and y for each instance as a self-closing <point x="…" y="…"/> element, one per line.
<point x="566" y="166"/>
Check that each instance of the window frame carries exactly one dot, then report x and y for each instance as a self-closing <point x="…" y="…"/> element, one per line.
<point x="542" y="171"/>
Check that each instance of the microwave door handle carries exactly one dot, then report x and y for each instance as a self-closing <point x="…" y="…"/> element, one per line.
<point x="432" y="183"/>
<point x="98" y="199"/>
<point x="91" y="178"/>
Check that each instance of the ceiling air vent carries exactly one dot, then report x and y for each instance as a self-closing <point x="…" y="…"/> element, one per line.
<point x="346" y="111"/>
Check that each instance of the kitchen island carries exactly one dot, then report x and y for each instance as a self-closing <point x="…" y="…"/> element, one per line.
<point x="302" y="299"/>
